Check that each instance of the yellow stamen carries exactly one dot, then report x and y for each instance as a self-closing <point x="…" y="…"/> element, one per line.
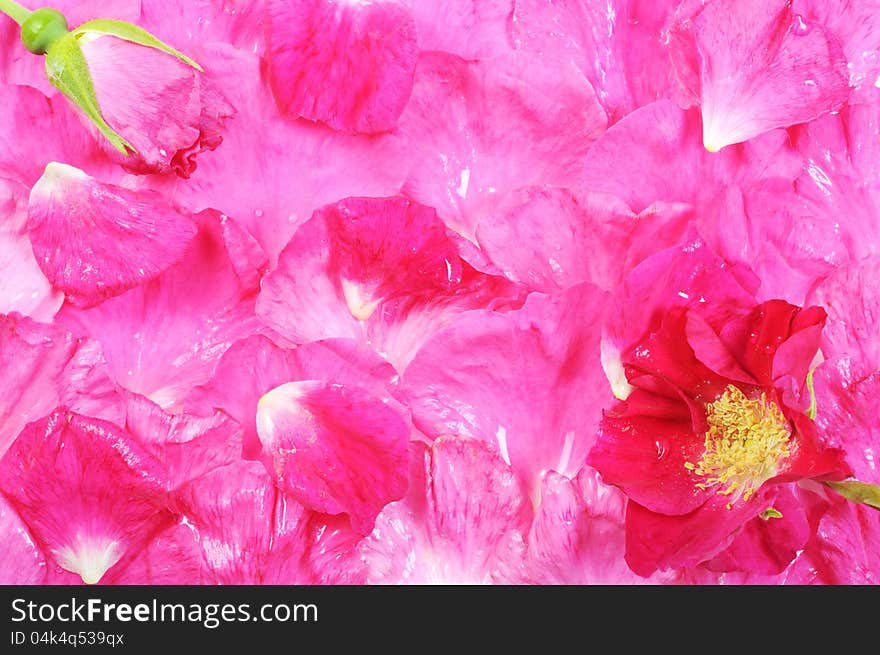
<point x="745" y="441"/>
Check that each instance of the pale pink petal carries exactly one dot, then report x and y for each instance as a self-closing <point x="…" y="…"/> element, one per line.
<point x="528" y="382"/>
<point x="336" y="449"/>
<point x="53" y="133"/>
<point x="616" y="43"/>
<point x="165" y="337"/>
<point x="32" y="358"/>
<point x="187" y="446"/>
<point x="237" y="22"/>
<point x="347" y="64"/>
<point x="381" y="271"/>
<point x="157" y="103"/>
<point x="95" y="241"/>
<point x="171" y="557"/>
<point x="845" y="549"/>
<point x="87" y="388"/>
<point x="235" y="512"/>
<point x="23" y="287"/>
<point x="302" y="167"/>
<point x="464" y="521"/>
<point x="21" y="560"/>
<point x="550" y="238"/>
<point x="471" y="29"/>
<point x="856" y="24"/>
<point x="254" y="366"/>
<point x="656" y="153"/>
<point x="478" y="130"/>
<point x="846" y="414"/>
<point x="577" y="536"/>
<point x="87" y="491"/>
<point x="851" y="295"/>
<point x="761" y="67"/>
<point x="788" y="246"/>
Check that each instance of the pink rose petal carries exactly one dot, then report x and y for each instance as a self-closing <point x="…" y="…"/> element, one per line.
<point x="366" y="51"/>
<point x="336" y="449"/>
<point x="32" y="358"/>
<point x="163" y="338"/>
<point x="95" y="241"/>
<point x="484" y="376"/>
<point x="87" y="491"/>
<point x="760" y="66"/>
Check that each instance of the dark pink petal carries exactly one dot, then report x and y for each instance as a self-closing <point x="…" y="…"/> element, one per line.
<point x="336" y="449"/>
<point x="382" y="271"/>
<point x="163" y="338"/>
<point x="688" y="276"/>
<point x="711" y="351"/>
<point x="476" y="131"/>
<point x="366" y="51"/>
<point x="659" y="542"/>
<point x="86" y="489"/>
<point x="32" y="358"/>
<point x="760" y="67"/>
<point x="527" y="382"/>
<point x="767" y="546"/>
<point x="95" y="241"/>
<point x="23" y="287"/>
<point x="646" y="458"/>
<point x="21" y="560"/>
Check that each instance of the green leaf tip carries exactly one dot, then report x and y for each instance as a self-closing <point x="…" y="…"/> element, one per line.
<point x="813" y="410"/>
<point x="133" y="34"/>
<point x="858" y="492"/>
<point x="68" y="71"/>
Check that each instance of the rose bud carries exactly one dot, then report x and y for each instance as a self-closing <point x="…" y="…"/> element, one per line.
<point x="147" y="99"/>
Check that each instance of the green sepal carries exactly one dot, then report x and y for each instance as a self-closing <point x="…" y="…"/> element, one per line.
<point x="858" y="492"/>
<point x="771" y="513"/>
<point x="68" y="71"/>
<point x="134" y="34"/>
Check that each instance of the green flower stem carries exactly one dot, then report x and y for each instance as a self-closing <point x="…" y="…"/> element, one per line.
<point x="14" y="10"/>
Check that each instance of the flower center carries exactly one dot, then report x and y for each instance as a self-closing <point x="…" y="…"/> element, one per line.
<point x="744" y="443"/>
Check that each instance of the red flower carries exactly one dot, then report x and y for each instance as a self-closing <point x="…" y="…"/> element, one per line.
<point x="713" y="416"/>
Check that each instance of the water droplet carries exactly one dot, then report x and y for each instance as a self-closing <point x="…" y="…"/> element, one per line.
<point x="661" y="448"/>
<point x="258" y="213"/>
<point x="800" y="26"/>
